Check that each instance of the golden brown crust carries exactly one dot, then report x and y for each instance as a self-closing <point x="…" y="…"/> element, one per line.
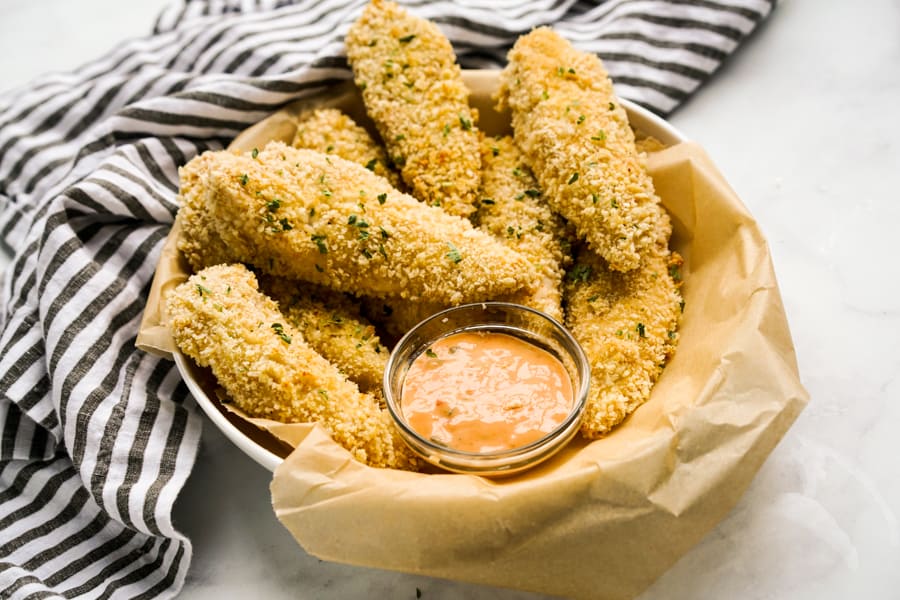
<point x="513" y="210"/>
<point x="330" y="322"/>
<point x="304" y="215"/>
<point x="413" y="91"/>
<point x="199" y="241"/>
<point x="627" y="324"/>
<point x="575" y="134"/>
<point x="329" y="131"/>
<point x="220" y="319"/>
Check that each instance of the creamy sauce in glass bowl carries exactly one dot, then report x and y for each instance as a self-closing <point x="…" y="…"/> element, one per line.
<point x="482" y="391"/>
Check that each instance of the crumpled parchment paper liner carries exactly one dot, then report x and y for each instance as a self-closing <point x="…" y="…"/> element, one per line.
<point x="602" y="519"/>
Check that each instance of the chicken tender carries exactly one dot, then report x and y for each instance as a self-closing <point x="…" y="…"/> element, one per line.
<point x="513" y="210"/>
<point x="330" y="322"/>
<point x="412" y="89"/>
<point x="199" y="242"/>
<point x="575" y="135"/>
<point x="220" y="319"/>
<point x="304" y="215"/>
<point x="627" y="324"/>
<point x="330" y="131"/>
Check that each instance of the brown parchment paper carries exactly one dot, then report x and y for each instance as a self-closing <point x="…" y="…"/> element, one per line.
<point x="601" y="519"/>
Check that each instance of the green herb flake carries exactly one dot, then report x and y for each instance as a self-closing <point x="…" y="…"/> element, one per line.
<point x="517" y="172"/>
<point x="384" y="234"/>
<point x="600" y="137"/>
<point x="488" y="201"/>
<point x="594" y="298"/>
<point x="244" y="179"/>
<point x="573" y="178"/>
<point x="320" y="243"/>
<point x="495" y="150"/>
<point x="675" y="272"/>
<point x="382" y="198"/>
<point x="446" y="130"/>
<point x="318" y="268"/>
<point x="201" y="290"/>
<point x="351" y="220"/>
<point x="580" y="120"/>
<point x="614" y="203"/>
<point x="371" y="164"/>
<point x="273" y="204"/>
<point x="465" y="123"/>
<point x="254" y="153"/>
<point x="363" y="234"/>
<point x="532" y="193"/>
<point x="672" y="335"/>
<point x="381" y="251"/>
<point x="407" y="38"/>
<point x="279" y="331"/>
<point x="612" y="106"/>
<point x="285" y="224"/>
<point x="545" y="95"/>
<point x="580" y="273"/>
<point x="454" y="254"/>
<point x="594" y="198"/>
<point x="571" y="71"/>
<point x="431" y="353"/>
<point x="640" y="329"/>
<point x="399" y="138"/>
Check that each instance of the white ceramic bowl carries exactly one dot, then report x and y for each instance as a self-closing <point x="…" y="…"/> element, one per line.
<point x="256" y="443"/>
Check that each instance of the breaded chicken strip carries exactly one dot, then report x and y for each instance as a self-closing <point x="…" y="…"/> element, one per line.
<point x="627" y="324"/>
<point x="413" y="91"/>
<point x="576" y="137"/>
<point x="330" y="131"/>
<point x="220" y="319"/>
<point x="330" y="322"/>
<point x="199" y="241"/>
<point x="513" y="209"/>
<point x="305" y="215"/>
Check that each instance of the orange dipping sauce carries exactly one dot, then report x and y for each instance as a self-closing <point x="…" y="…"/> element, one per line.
<point x="485" y="392"/>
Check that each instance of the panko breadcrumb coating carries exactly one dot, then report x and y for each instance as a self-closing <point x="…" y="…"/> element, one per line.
<point x="575" y="135"/>
<point x="331" y="324"/>
<point x="330" y="131"/>
<point x="627" y="325"/>
<point x="413" y="90"/>
<point x="304" y="215"/>
<point x="220" y="319"/>
<point x="198" y="242"/>
<point x="513" y="209"/>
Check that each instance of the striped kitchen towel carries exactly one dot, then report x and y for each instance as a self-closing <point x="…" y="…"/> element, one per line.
<point x="96" y="437"/>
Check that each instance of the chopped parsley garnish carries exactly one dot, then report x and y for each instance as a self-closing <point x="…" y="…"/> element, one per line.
<point x="351" y="220"/>
<point x="371" y="164"/>
<point x="384" y="234"/>
<point x="613" y="203"/>
<point x="573" y="178"/>
<point x="407" y="38"/>
<point x="431" y="353"/>
<point x="244" y="179"/>
<point x="454" y="254"/>
<point x="254" y="153"/>
<point x="381" y="251"/>
<point x="319" y="239"/>
<point x="326" y="193"/>
<point x="273" y="204"/>
<point x="640" y="330"/>
<point x="517" y="172"/>
<point x="285" y="224"/>
<point x="580" y="273"/>
<point x="465" y="123"/>
<point x="400" y="137"/>
<point x="446" y="130"/>
<point x="279" y="330"/>
<point x="532" y="193"/>
<point x="545" y="95"/>
<point x="382" y="198"/>
<point x="495" y="150"/>
<point x="594" y="198"/>
<point x="593" y="298"/>
<point x="487" y="201"/>
<point x="601" y="136"/>
<point x="203" y="290"/>
<point x="672" y="335"/>
<point x="675" y="272"/>
<point x="580" y="120"/>
<point x="612" y="106"/>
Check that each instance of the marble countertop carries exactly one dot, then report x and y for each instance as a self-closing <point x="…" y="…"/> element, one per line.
<point x="803" y="122"/>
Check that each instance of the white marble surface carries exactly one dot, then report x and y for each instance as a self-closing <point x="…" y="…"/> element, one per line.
<point x="804" y="123"/>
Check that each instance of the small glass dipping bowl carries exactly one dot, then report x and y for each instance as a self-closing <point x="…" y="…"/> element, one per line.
<point x="516" y="320"/>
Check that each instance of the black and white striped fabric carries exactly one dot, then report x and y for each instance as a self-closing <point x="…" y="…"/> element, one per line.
<point x="96" y="437"/>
